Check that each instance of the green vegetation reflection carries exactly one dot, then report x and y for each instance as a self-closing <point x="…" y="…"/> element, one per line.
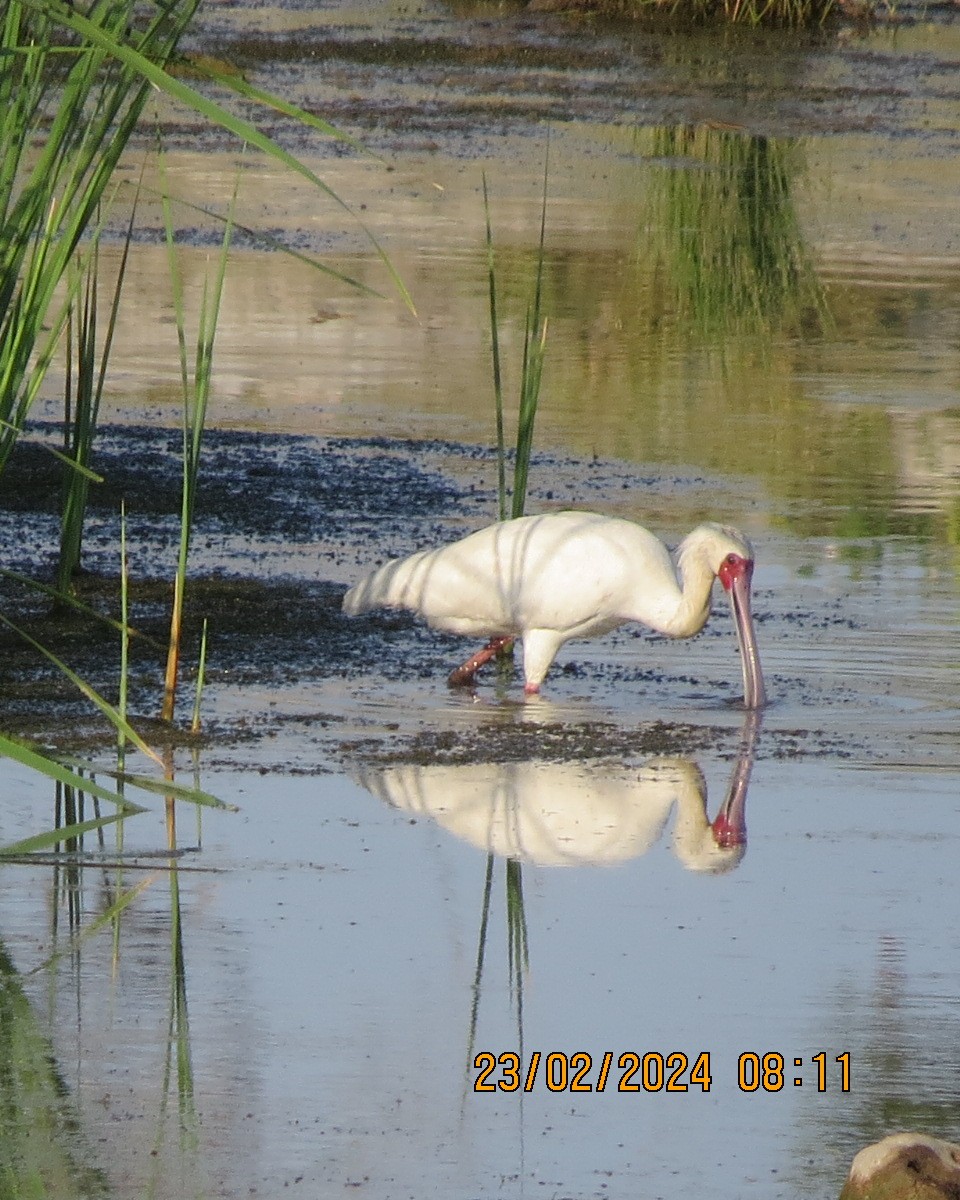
<point x="721" y="345"/>
<point x="95" y="891"/>
<point x="39" y="1147"/>
<point x="724" y="231"/>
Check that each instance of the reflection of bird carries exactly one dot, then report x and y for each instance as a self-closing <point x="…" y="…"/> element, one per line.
<point x="564" y="575"/>
<point x="565" y="814"/>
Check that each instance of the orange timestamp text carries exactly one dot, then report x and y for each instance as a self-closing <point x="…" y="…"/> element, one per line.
<point x="653" y="1071"/>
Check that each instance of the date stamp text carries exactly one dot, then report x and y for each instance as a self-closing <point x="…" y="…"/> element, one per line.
<point x="653" y="1071"/>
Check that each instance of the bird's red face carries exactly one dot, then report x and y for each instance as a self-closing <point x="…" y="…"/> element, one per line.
<point x="735" y="573"/>
<point x="735" y="568"/>
<point x="729" y="829"/>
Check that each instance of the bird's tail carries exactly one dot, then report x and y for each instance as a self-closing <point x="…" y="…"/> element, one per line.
<point x="397" y="584"/>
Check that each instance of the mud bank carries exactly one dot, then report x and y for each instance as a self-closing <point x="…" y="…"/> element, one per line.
<point x="282" y="523"/>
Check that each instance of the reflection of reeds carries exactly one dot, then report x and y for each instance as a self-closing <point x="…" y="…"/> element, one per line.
<point x="124" y="640"/>
<point x="38" y="1127"/>
<point x="725" y="232"/>
<point x="178" y="1059"/>
<point x="517" y="950"/>
<point x="37" y="1133"/>
<point x="793" y="13"/>
<point x="518" y="955"/>
<point x="481" y="955"/>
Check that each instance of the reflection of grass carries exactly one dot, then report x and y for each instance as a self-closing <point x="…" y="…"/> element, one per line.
<point x="518" y="955"/>
<point x="37" y="1130"/>
<point x="178" y="1062"/>
<point x="517" y="950"/>
<point x="637" y="379"/>
<point x="726" y="234"/>
<point x="37" y="1135"/>
<point x="797" y="13"/>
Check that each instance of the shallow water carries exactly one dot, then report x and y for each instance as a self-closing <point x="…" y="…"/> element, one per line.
<point x="332" y="993"/>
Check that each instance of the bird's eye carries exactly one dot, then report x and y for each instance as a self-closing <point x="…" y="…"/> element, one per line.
<point x="732" y="559"/>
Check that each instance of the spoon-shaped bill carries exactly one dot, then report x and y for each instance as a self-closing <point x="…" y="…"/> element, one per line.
<point x="736" y="579"/>
<point x="730" y="825"/>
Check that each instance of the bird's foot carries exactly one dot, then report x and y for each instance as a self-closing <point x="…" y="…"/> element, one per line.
<point x="466" y="675"/>
<point x="462" y="677"/>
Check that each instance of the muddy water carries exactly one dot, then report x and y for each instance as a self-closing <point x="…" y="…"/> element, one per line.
<point x="755" y="324"/>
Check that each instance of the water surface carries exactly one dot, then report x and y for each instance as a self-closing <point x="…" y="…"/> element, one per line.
<point x="753" y="279"/>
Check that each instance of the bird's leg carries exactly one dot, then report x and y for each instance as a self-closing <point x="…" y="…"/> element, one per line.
<point x="465" y="675"/>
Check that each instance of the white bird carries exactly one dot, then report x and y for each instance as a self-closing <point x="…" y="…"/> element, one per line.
<point x="573" y="814"/>
<point x="546" y="579"/>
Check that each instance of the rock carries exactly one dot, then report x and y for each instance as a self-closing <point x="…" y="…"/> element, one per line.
<point x="905" y="1166"/>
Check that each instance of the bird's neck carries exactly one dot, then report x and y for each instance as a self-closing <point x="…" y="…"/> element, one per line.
<point x="692" y="606"/>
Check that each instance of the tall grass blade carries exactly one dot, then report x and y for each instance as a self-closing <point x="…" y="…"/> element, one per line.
<point x="534" y="352"/>
<point x="497" y="376"/>
<point x="147" y="783"/>
<point x="236" y="83"/>
<point x="201" y="672"/>
<point x="59" y="455"/>
<point x="71" y="110"/>
<point x="80" y="426"/>
<point x="94" y="696"/>
<point x="47" y="590"/>
<point x="61" y="773"/>
<point x="195" y="399"/>
<point x="179" y="791"/>
<point x="67" y="110"/>
<point x="53" y="837"/>
<point x="124" y="640"/>
<point x="262" y="238"/>
<point x="243" y="130"/>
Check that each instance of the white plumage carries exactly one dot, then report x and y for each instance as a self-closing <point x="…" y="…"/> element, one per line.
<point x="570" y="814"/>
<point x="547" y="579"/>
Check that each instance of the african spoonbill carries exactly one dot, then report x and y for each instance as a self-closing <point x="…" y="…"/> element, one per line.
<point x="545" y="579"/>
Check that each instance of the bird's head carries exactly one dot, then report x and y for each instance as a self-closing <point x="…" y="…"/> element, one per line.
<point x="730" y="557"/>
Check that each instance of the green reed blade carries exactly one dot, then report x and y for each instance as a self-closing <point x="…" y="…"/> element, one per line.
<point x="497" y="377"/>
<point x="91" y="693"/>
<point x="60" y="456"/>
<point x="58" y="596"/>
<point x="195" y="399"/>
<point x="534" y="353"/>
<point x="53" y="837"/>
<point x="201" y="673"/>
<point x="56" y="770"/>
<point x="124" y="638"/>
<point x="260" y="238"/>
<point x="242" y="129"/>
